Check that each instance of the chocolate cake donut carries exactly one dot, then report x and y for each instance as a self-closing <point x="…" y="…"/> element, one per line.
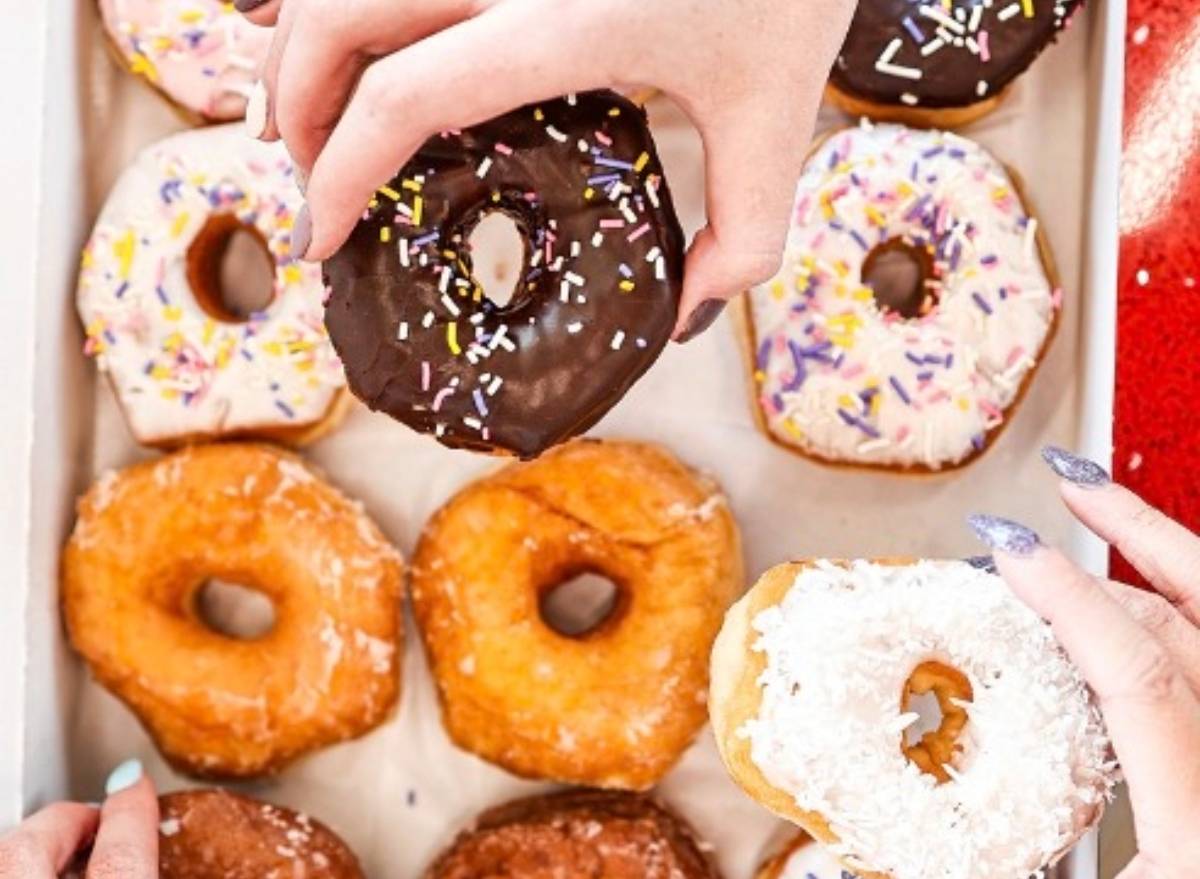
<point x="594" y="306"/>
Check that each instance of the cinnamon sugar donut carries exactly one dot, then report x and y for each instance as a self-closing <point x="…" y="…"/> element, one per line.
<point x="812" y="673"/>
<point x="616" y="706"/>
<point x="148" y="538"/>
<point x="598" y="834"/>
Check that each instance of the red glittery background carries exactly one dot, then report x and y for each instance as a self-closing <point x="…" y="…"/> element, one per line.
<point x="1158" y="306"/>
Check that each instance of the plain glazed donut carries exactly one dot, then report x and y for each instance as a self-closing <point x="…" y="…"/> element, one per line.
<point x="811" y="676"/>
<point x="183" y="366"/>
<point x="927" y="380"/>
<point x="148" y="538"/>
<point x="616" y="706"/>
<point x="940" y="64"/>
<point x="600" y="834"/>
<point x="202" y="55"/>
<point x="594" y="306"/>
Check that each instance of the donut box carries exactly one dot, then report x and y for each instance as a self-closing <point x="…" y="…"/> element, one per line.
<point x="401" y="794"/>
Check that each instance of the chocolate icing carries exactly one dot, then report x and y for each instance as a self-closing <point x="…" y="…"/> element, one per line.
<point x="585" y="834"/>
<point x="901" y="52"/>
<point x="603" y="272"/>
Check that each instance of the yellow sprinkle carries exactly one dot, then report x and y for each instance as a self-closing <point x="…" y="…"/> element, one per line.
<point x="842" y="341"/>
<point x="179" y="224"/>
<point x="626" y="285"/>
<point x="88" y="259"/>
<point x="791" y="428"/>
<point x="452" y="338"/>
<point x="414" y="185"/>
<point x="160" y="372"/>
<point x="94" y="329"/>
<point x="99" y="346"/>
<point x="1000" y="193"/>
<point x="614" y="112"/>
<point x="162" y="44"/>
<point x="372" y="204"/>
<point x="123" y="250"/>
<point x="390" y="193"/>
<point x="539" y="115"/>
<point x="848" y="402"/>
<point x="904" y="189"/>
<point x="170" y="394"/>
<point x="190" y="16"/>
<point x="292" y="274"/>
<point x="641" y="162"/>
<point x="862" y="294"/>
<point x="272" y="348"/>
<point x="964" y="404"/>
<point x="1027" y="7"/>
<point x="760" y="376"/>
<point x="209" y="327"/>
<point x="875" y="216"/>
<point x="777" y="289"/>
<point x="841" y="268"/>
<point x="172" y="312"/>
<point x="495" y="196"/>
<point x="140" y="65"/>
<point x="385" y="234"/>
<point x="588" y="193"/>
<point x="418" y="206"/>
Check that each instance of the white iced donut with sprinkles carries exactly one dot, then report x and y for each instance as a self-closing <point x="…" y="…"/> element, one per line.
<point x="913" y="716"/>
<point x="916" y="297"/>
<point x="185" y="365"/>
<point x="202" y="54"/>
<point x="802" y="858"/>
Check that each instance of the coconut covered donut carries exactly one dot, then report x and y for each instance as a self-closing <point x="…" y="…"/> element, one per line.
<point x="916" y="297"/>
<point x="616" y="705"/>
<point x="602" y="834"/>
<point x="813" y="674"/>
<point x="202" y="55"/>
<point x="184" y="366"/>
<point x="148" y="538"/>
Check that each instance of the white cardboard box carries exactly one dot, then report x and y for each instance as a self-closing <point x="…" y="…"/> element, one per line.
<point x="57" y="424"/>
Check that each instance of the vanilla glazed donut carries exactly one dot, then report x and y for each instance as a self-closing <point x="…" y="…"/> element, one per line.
<point x="149" y="537"/>
<point x="184" y="366"/>
<point x="802" y="858"/>
<point x="584" y="833"/>
<point x="813" y="674"/>
<point x="940" y="62"/>
<point x="203" y="55"/>
<point x="596" y="299"/>
<point x="926" y="380"/>
<point x="617" y="705"/>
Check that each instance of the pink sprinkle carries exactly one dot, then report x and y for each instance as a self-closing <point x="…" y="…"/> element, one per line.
<point x="441" y="395"/>
<point x="1056" y="298"/>
<point x="612" y="224"/>
<point x="943" y="211"/>
<point x="638" y="232"/>
<point x="985" y="52"/>
<point x="425" y="375"/>
<point x="854" y="371"/>
<point x="902" y="434"/>
<point x="990" y="409"/>
<point x="504" y="149"/>
<point x="938" y="396"/>
<point x="1015" y="355"/>
<point x="604" y="138"/>
<point x="817" y="239"/>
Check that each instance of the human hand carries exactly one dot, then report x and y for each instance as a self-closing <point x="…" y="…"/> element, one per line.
<point x="354" y="87"/>
<point x="122" y="834"/>
<point x="1140" y="652"/>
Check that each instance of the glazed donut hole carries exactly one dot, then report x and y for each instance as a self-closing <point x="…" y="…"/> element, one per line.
<point x="230" y="270"/>
<point x="939" y="695"/>
<point x="582" y="603"/>
<point x="232" y="610"/>
<point x="902" y="277"/>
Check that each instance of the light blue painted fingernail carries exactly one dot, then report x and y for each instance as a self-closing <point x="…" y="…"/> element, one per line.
<point x="125" y="775"/>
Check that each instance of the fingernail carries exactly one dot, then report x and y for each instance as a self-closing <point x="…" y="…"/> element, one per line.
<point x="702" y="317"/>
<point x="248" y="5"/>
<point x="982" y="563"/>
<point x="124" y="776"/>
<point x="301" y="232"/>
<point x="256" y="110"/>
<point x="1005" y="535"/>
<point x="1075" y="469"/>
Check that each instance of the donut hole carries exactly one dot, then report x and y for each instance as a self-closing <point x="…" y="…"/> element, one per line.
<point x="230" y="269"/>
<point x="234" y="611"/>
<point x="497" y="252"/>
<point x="901" y="277"/>
<point x="939" y="695"/>
<point x="580" y="605"/>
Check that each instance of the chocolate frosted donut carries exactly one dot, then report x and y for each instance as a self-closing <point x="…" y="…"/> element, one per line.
<point x="595" y="305"/>
<point x="937" y="55"/>
<point x="584" y="833"/>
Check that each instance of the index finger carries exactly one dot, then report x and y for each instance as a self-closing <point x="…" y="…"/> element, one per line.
<point x="47" y="840"/>
<point x="127" y="842"/>
<point x="1152" y="715"/>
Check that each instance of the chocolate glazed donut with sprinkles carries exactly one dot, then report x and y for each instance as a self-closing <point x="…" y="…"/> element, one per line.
<point x="940" y="62"/>
<point x="422" y="341"/>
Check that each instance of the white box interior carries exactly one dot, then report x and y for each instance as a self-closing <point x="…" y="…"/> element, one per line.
<point x="79" y="118"/>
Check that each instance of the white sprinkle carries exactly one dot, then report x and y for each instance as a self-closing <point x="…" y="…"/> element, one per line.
<point x="652" y="192"/>
<point x="444" y="281"/>
<point x="402" y="333"/>
<point x="403" y="253"/>
<point x="597" y="239"/>
<point x="1135" y="461"/>
<point x="574" y="279"/>
<point x="494" y="386"/>
<point x="942" y="18"/>
<point x="450" y="306"/>
<point x="976" y="19"/>
<point x="617" y="339"/>
<point x="484" y="167"/>
<point x="1141" y="35"/>
<point x="428" y="320"/>
<point x="660" y="269"/>
<point x="556" y="134"/>
<point x="1009" y="11"/>
<point x="1030" y="238"/>
<point x="472" y="422"/>
<point x="932" y="46"/>
<point x="169" y="827"/>
<point x="898" y="70"/>
<point x="982" y="88"/>
<point x="890" y="52"/>
<point x="574" y="327"/>
<point x="564" y="291"/>
<point x="1143" y="277"/>
<point x="654" y="254"/>
<point x="910" y="99"/>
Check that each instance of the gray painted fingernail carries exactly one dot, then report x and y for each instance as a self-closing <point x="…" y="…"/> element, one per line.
<point x="1075" y="468"/>
<point x="248" y="5"/>
<point x="1005" y="535"/>
<point x="124" y="776"/>
<point x="702" y="317"/>
<point x="982" y="563"/>
<point x="301" y="232"/>
<point x="257" y="107"/>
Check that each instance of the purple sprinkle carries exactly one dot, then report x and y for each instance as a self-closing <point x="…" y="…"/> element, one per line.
<point x="925" y="376"/>
<point x="122" y="289"/>
<point x="949" y="360"/>
<point x="932" y="358"/>
<point x="855" y="421"/>
<point x="957" y="153"/>
<point x="911" y="27"/>
<point x="990" y="260"/>
<point x="862" y="242"/>
<point x="982" y="303"/>
<point x="613" y="163"/>
<point x="108" y="335"/>
<point x="913" y="171"/>
<point x="1003" y="293"/>
<point x="764" y="354"/>
<point x="625" y="270"/>
<point x="914" y="358"/>
<point x="285" y="408"/>
<point x="603" y="179"/>
<point x="479" y="403"/>
<point x="977" y="441"/>
<point x="900" y="392"/>
<point x="425" y="239"/>
<point x="162" y="295"/>
<point x="246" y="354"/>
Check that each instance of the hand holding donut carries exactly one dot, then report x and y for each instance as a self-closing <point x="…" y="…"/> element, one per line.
<point x="354" y="88"/>
<point x="122" y="834"/>
<point x="1139" y="651"/>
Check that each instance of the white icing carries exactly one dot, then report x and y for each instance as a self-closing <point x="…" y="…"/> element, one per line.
<point x="202" y="53"/>
<point x="178" y="371"/>
<point x="1033" y="772"/>
<point x="810" y="861"/>
<point x="930" y="189"/>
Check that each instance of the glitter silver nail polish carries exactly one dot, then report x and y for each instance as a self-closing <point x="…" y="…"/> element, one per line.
<point x="1075" y="468"/>
<point x="1005" y="535"/>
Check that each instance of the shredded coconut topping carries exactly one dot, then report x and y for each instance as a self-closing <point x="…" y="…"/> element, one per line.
<point x="1033" y="771"/>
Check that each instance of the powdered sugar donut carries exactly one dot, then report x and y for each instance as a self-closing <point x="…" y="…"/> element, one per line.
<point x="184" y="366"/>
<point x="916" y="297"/>
<point x="812" y="678"/>
<point x="202" y="54"/>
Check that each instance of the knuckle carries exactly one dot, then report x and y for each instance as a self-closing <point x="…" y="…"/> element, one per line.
<point x="22" y="857"/>
<point x="751" y="267"/>
<point x="120" y="860"/>
<point x="1152" y="612"/>
<point x="1152" y="675"/>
